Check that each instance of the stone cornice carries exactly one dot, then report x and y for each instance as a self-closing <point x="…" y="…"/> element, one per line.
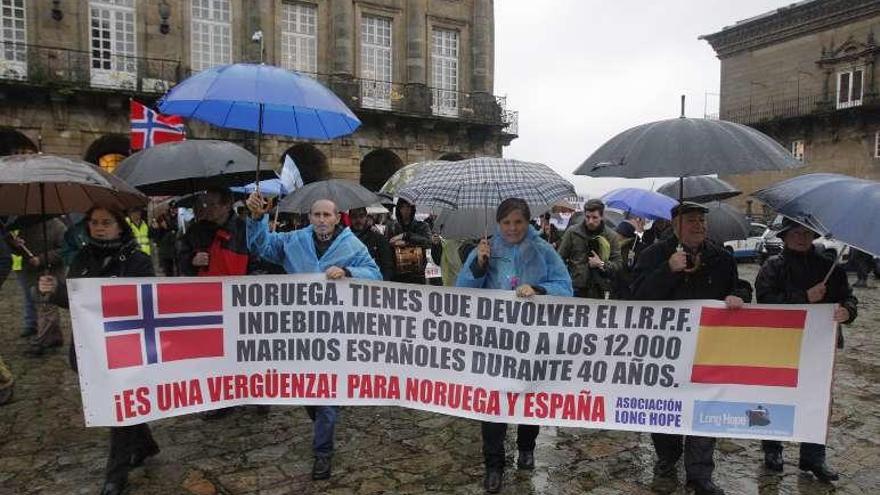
<point x="789" y="22"/>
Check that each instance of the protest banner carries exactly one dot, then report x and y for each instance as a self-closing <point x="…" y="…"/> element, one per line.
<point x="152" y="348"/>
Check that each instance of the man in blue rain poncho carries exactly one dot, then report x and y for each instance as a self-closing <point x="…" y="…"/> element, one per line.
<point x="516" y="258"/>
<point x="326" y="247"/>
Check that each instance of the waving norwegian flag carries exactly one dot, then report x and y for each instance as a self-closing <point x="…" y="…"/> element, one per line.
<point x="149" y="128"/>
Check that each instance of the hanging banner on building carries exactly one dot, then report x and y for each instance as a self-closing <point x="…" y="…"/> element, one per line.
<point x="152" y="348"/>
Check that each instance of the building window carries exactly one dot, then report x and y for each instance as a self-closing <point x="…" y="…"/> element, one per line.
<point x="849" y="88"/>
<point x="444" y="68"/>
<point x="112" y="39"/>
<point x="299" y="37"/>
<point x="13" y="34"/>
<point x="877" y="144"/>
<point x="376" y="62"/>
<point x="211" y="42"/>
<point x="797" y="149"/>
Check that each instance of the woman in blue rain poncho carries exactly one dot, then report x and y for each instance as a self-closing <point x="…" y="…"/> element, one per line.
<point x="516" y="258"/>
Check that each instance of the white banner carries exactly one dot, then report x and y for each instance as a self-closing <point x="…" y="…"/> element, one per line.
<point x="151" y="348"/>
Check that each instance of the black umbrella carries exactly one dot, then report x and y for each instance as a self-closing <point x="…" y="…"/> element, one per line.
<point x="700" y="188"/>
<point x="345" y="193"/>
<point x="685" y="147"/>
<point x="726" y="223"/>
<point x="184" y="167"/>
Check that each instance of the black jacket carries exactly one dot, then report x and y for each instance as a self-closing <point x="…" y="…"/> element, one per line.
<point x="785" y="278"/>
<point x="379" y="249"/>
<point x="716" y="278"/>
<point x="93" y="262"/>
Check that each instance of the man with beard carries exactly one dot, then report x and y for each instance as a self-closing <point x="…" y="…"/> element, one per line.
<point x="591" y="251"/>
<point x="687" y="266"/>
<point x="376" y="243"/>
<point x="323" y="247"/>
<point x="797" y="276"/>
<point x="409" y="238"/>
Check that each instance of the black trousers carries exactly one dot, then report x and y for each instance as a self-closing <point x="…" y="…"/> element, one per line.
<point x="698" y="451"/>
<point x="811" y="453"/>
<point x="493" y="441"/>
<point x="126" y="441"/>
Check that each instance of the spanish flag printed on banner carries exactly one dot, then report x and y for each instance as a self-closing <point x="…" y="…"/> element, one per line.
<point x="749" y="346"/>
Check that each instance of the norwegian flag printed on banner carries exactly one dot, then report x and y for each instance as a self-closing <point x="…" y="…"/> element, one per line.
<point x="149" y="128"/>
<point x="163" y="322"/>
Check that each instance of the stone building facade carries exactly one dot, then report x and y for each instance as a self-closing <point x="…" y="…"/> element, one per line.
<point x="806" y="75"/>
<point x="418" y="73"/>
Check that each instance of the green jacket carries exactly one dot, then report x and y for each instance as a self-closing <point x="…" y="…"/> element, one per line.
<point x="574" y="250"/>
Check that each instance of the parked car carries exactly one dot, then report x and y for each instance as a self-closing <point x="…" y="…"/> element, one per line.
<point x="748" y="249"/>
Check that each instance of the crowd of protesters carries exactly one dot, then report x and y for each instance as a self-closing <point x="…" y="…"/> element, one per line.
<point x="668" y="260"/>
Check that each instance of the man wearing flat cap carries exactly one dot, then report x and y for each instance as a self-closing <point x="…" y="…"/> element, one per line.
<point x="797" y="276"/>
<point x="687" y="266"/>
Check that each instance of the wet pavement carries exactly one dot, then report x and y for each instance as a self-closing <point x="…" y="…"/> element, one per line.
<point x="44" y="448"/>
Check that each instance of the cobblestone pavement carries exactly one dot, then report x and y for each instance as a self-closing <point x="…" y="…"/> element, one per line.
<point x="44" y="448"/>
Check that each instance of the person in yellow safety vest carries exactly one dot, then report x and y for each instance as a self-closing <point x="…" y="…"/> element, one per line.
<point x="140" y="228"/>
<point x="29" y="311"/>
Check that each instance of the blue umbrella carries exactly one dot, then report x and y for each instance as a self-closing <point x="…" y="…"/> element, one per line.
<point x="834" y="205"/>
<point x="269" y="187"/>
<point x="261" y="98"/>
<point x="640" y="203"/>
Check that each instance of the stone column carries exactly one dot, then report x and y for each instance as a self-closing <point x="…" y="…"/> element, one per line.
<point x="482" y="46"/>
<point x="416" y="33"/>
<point x="417" y="98"/>
<point x="343" y="37"/>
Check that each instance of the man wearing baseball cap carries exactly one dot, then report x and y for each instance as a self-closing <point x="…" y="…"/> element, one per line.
<point x="687" y="266"/>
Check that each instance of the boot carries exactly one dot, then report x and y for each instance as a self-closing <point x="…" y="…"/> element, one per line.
<point x="321" y="468"/>
<point x="773" y="461"/>
<point x="665" y="468"/>
<point x="492" y="481"/>
<point x="704" y="487"/>
<point x="113" y="488"/>
<point x="820" y="470"/>
<point x="526" y="460"/>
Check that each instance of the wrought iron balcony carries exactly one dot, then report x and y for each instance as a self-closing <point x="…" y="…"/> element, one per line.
<point x="65" y="68"/>
<point x="76" y="69"/>
<point x="771" y="109"/>
<point x="420" y="100"/>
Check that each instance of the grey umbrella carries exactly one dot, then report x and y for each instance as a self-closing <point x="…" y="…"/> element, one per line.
<point x="833" y="205"/>
<point x="701" y="188"/>
<point x="726" y="223"/>
<point x="40" y="184"/>
<point x="345" y="193"/>
<point x="685" y="147"/>
<point x="184" y="167"/>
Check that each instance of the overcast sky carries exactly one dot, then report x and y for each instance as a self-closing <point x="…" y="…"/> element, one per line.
<point x="581" y="71"/>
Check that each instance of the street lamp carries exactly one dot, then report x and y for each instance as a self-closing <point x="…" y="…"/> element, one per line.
<point x="164" y="14"/>
<point x="257" y="37"/>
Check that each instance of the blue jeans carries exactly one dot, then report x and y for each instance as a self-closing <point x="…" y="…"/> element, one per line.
<point x="30" y="310"/>
<point x="325" y="426"/>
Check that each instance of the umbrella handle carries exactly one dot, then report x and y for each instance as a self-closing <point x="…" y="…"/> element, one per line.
<point x="833" y="265"/>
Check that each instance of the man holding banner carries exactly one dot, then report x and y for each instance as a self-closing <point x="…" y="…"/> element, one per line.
<point x="800" y="275"/>
<point x="687" y="266"/>
<point x="326" y="247"/>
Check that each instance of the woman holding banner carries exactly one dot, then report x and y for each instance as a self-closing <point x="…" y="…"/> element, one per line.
<point x="110" y="251"/>
<point x="515" y="258"/>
